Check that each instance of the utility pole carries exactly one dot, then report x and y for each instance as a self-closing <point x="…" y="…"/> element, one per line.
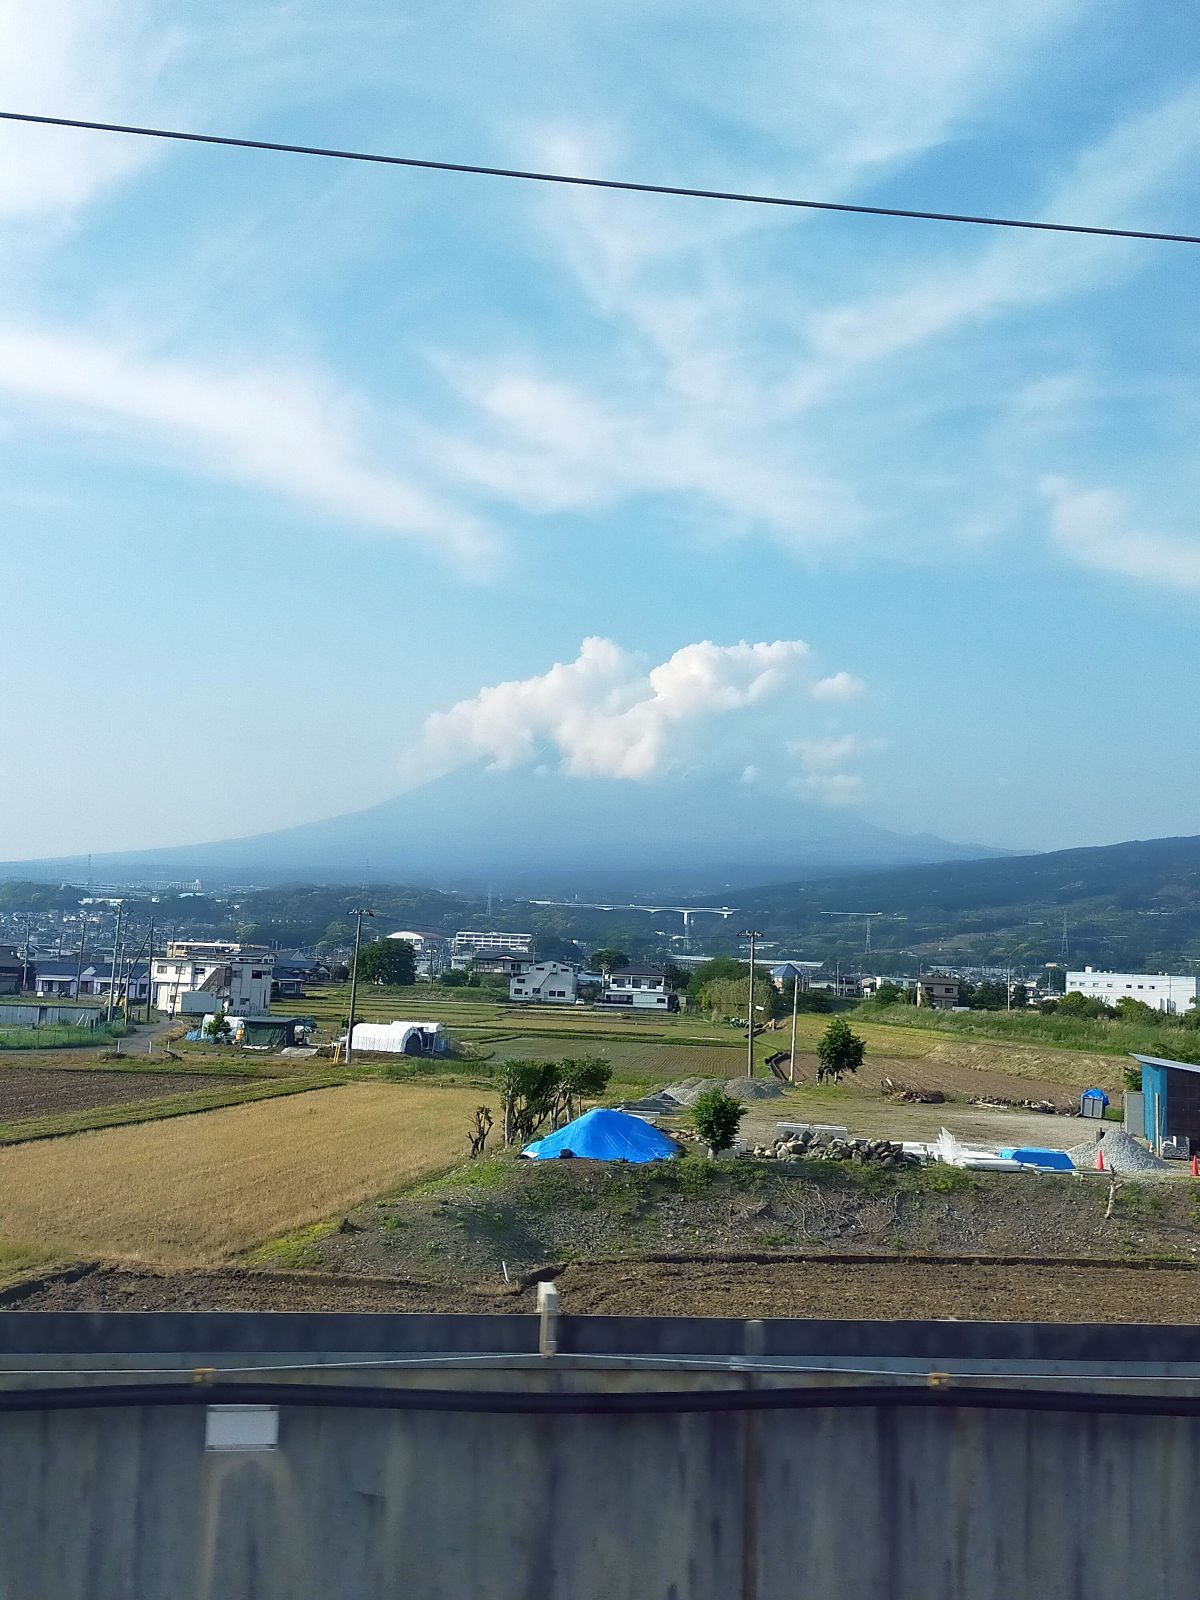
<point x="150" y="971"/>
<point x="83" y="922"/>
<point x="112" y="966"/>
<point x="752" y="934"/>
<point x="360" y="912"/>
<point x="795" y="1007"/>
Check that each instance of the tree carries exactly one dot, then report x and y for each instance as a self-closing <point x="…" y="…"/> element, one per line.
<point x="530" y="1090"/>
<point x="718" y="967"/>
<point x="839" y="1051"/>
<point x="388" y="961"/>
<point x="582" y="1078"/>
<point x="1130" y="1009"/>
<point x="677" y="977"/>
<point x="607" y="960"/>
<point x="217" y="1028"/>
<point x="715" y="1117"/>
<point x="453" y="980"/>
<point x="1076" y="1004"/>
<point x="888" y="993"/>
<point x="990" y="997"/>
<point x="1019" y="997"/>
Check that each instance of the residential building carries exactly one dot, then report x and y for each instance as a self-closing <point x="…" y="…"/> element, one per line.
<point x="639" y="988"/>
<point x="56" y="979"/>
<point x="937" y="991"/>
<point x="432" y="950"/>
<point x="543" y="983"/>
<point x="240" y="980"/>
<point x="1163" y="991"/>
<point x="11" y="969"/>
<point x="502" y="963"/>
<point x="471" y="941"/>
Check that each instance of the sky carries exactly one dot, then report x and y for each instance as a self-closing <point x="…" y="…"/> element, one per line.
<point x="320" y="479"/>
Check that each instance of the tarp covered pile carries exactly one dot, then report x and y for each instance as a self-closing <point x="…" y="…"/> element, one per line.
<point x="603" y="1135"/>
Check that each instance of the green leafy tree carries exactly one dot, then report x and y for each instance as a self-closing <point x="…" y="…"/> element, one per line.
<point x="217" y="1028"/>
<point x="888" y="993"/>
<point x="1020" y="997"/>
<point x="530" y="1091"/>
<point x="607" y="960"/>
<point x="677" y="978"/>
<point x="719" y="967"/>
<point x="839" y="1050"/>
<point x="716" y="1117"/>
<point x="581" y="1078"/>
<point x="1129" y="1009"/>
<point x="390" y="961"/>
<point x="990" y="997"/>
<point x="1075" y="1004"/>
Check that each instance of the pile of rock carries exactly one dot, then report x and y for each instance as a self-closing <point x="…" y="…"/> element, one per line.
<point x="810" y="1146"/>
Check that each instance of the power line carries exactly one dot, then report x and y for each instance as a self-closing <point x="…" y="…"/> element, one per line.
<point x="576" y="181"/>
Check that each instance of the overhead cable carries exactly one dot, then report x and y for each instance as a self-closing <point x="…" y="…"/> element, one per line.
<point x="575" y="180"/>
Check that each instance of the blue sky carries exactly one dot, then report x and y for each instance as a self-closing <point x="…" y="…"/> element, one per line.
<point x="305" y="455"/>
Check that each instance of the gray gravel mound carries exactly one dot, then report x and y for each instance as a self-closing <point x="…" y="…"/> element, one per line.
<point x="1122" y="1155"/>
<point x="689" y="1090"/>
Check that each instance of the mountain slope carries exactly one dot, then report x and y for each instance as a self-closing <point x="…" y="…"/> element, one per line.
<point x="522" y="832"/>
<point x="1136" y="903"/>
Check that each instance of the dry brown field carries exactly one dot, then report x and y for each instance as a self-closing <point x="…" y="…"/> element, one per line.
<point x="199" y="1189"/>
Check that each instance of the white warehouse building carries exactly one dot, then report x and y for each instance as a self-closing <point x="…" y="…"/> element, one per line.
<point x="1165" y="991"/>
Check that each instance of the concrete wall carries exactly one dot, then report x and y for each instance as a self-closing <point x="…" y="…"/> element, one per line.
<point x="827" y="1504"/>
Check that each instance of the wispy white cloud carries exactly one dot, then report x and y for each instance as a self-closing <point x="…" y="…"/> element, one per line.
<point x="289" y="432"/>
<point x="840" y="686"/>
<point x="75" y="58"/>
<point x="607" y="715"/>
<point x="1100" y="529"/>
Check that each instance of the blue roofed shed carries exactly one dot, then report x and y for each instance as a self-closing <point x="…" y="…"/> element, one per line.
<point x="1171" y="1100"/>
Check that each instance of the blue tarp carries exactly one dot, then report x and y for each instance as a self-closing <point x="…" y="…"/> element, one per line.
<point x="601" y="1135"/>
<point x="1050" y="1160"/>
<point x="1095" y="1094"/>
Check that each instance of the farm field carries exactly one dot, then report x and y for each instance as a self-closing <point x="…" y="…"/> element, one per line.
<point x="43" y="1091"/>
<point x="636" y="1058"/>
<point x="198" y="1189"/>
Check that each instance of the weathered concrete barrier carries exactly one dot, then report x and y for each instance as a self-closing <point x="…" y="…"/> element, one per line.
<point x="441" y="1458"/>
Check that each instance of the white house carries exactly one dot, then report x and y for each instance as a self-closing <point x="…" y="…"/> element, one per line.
<point x="640" y="988"/>
<point x="1164" y="991"/>
<point x="544" y="983"/>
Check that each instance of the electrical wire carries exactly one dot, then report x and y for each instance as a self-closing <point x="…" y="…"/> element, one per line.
<point x="520" y="1361"/>
<point x="575" y="180"/>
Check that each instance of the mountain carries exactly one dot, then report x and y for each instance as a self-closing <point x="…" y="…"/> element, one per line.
<point x="535" y="834"/>
<point x="1132" y="904"/>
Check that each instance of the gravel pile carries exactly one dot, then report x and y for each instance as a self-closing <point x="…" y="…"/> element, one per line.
<point x="1122" y="1154"/>
<point x="687" y="1092"/>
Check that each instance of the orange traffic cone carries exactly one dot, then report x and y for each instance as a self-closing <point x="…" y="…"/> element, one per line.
<point x="1099" y="1158"/>
<point x="1196" y="1166"/>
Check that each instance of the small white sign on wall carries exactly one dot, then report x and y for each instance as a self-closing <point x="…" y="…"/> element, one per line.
<point x="241" y="1428"/>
